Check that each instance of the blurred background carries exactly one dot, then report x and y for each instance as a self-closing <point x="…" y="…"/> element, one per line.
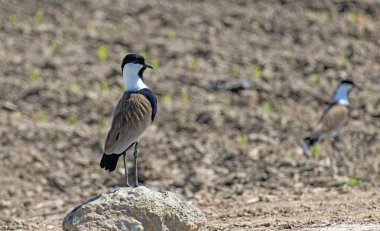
<point x="238" y="84"/>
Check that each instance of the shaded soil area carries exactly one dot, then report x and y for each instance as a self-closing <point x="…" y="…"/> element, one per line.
<point x="238" y="84"/>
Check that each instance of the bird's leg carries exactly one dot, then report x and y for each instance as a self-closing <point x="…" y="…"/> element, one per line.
<point x="336" y="151"/>
<point x="126" y="170"/>
<point x="136" y="154"/>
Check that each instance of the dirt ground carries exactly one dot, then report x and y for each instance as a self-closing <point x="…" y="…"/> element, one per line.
<point x="233" y="153"/>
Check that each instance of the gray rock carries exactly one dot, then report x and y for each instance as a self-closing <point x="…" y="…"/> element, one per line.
<point x="134" y="209"/>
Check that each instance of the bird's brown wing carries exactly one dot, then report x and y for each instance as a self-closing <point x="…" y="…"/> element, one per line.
<point x="334" y="118"/>
<point x="131" y="118"/>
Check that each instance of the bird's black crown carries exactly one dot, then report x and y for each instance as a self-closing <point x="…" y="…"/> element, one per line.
<point x="132" y="58"/>
<point x="347" y="82"/>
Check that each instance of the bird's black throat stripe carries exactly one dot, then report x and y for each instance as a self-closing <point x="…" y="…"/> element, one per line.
<point x="152" y="100"/>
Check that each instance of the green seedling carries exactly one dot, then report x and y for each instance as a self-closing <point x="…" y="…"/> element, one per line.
<point x="353" y="17"/>
<point x="91" y="27"/>
<point x="104" y="86"/>
<point x="72" y="120"/>
<point x="39" y="17"/>
<point x="12" y="19"/>
<point x="172" y="35"/>
<point x="194" y="65"/>
<point x="74" y="87"/>
<point x="315" y="151"/>
<point x="20" y="117"/>
<point x="35" y="76"/>
<point x="114" y="29"/>
<point x="185" y="97"/>
<point x="41" y="117"/>
<point x="256" y="72"/>
<point x="317" y="79"/>
<point x="241" y="139"/>
<point x="235" y="71"/>
<point x="67" y="22"/>
<point x="121" y="2"/>
<point x="309" y="13"/>
<point x="326" y="16"/>
<point x="122" y="87"/>
<point x="53" y="47"/>
<point x="344" y="57"/>
<point x="227" y="102"/>
<point x="353" y="182"/>
<point x="154" y="63"/>
<point x="102" y="53"/>
<point x="267" y="107"/>
<point x="101" y="125"/>
<point x="168" y="101"/>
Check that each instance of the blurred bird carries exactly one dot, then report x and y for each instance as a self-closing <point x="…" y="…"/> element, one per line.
<point x="133" y="115"/>
<point x="333" y="120"/>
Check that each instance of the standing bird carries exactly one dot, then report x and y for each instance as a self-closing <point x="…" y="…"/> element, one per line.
<point x="333" y="120"/>
<point x="134" y="113"/>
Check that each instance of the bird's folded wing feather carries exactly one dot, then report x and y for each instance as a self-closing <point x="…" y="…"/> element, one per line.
<point x="131" y="117"/>
<point x="335" y="117"/>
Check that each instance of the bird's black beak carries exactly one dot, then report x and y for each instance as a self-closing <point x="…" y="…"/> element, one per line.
<point x="148" y="66"/>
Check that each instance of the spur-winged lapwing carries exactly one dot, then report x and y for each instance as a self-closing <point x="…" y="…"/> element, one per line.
<point x="133" y="115"/>
<point x="333" y="120"/>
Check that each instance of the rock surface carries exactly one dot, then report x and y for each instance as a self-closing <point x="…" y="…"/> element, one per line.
<point x="134" y="209"/>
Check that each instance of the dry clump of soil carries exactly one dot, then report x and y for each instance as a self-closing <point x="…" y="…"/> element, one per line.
<point x="234" y="154"/>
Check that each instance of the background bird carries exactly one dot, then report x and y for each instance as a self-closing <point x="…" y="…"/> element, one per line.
<point x="133" y="115"/>
<point x="333" y="120"/>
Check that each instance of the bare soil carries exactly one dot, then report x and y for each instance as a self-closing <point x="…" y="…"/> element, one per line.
<point x="233" y="153"/>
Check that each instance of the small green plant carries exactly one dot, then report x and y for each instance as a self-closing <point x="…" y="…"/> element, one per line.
<point x="194" y="64"/>
<point x="185" y="97"/>
<point x="241" y="139"/>
<point x="104" y="86"/>
<point x="267" y="107"/>
<point x="353" y="182"/>
<point x="12" y="20"/>
<point x="353" y="17"/>
<point x="309" y="13"/>
<point x="315" y="151"/>
<point x="168" y="101"/>
<point x="74" y="87"/>
<point x="91" y="27"/>
<point x="235" y="71"/>
<point x="102" y="53"/>
<point x="114" y="28"/>
<point x="39" y="17"/>
<point x="121" y="2"/>
<point x="72" y="120"/>
<point x="101" y="125"/>
<point x="227" y="102"/>
<point x="344" y="57"/>
<point x="122" y="87"/>
<point x="35" y="76"/>
<point x="53" y="47"/>
<point x="41" y="117"/>
<point x="326" y="16"/>
<point x="67" y="22"/>
<point x="172" y="35"/>
<point x="317" y="79"/>
<point x="20" y="117"/>
<point x="154" y="63"/>
<point x="256" y="72"/>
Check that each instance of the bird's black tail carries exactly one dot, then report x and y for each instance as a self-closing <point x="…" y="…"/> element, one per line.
<point x="311" y="140"/>
<point x="306" y="143"/>
<point x="109" y="162"/>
